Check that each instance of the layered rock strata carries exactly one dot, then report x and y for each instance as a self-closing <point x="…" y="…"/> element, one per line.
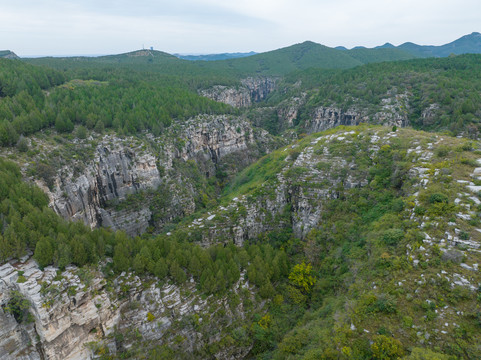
<point x="77" y="312"/>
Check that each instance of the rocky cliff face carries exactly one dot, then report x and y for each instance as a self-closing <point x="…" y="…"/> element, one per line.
<point x="288" y="110"/>
<point x="327" y="118"/>
<point x="118" y="169"/>
<point x="77" y="313"/>
<point x="123" y="167"/>
<point x="393" y="112"/>
<point x="259" y="87"/>
<point x="237" y="97"/>
<point x="252" y="90"/>
<point x="308" y="177"/>
<point x="294" y="198"/>
<point x="216" y="137"/>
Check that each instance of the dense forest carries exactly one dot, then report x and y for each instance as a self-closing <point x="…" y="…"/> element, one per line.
<point x="128" y="102"/>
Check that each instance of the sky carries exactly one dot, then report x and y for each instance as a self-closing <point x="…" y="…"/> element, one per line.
<point x="99" y="27"/>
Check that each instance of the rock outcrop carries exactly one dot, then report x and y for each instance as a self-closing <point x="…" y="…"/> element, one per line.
<point x="259" y="87"/>
<point x="429" y="114"/>
<point x="393" y="112"/>
<point x="251" y="91"/>
<point x="77" y="312"/>
<point x="237" y="97"/>
<point x="215" y="137"/>
<point x="117" y="171"/>
<point x="294" y="198"/>
<point x="124" y="167"/>
<point x="288" y="111"/>
<point x="325" y="118"/>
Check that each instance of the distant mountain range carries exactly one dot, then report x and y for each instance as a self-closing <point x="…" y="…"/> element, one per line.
<point x="213" y="57"/>
<point x="467" y="44"/>
<point x="274" y="63"/>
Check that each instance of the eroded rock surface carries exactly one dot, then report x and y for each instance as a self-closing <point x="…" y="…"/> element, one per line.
<point x="76" y="312"/>
<point x="252" y="90"/>
<point x="122" y="167"/>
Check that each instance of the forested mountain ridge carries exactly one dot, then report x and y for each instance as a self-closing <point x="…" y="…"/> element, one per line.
<point x="467" y="44"/>
<point x="429" y="94"/>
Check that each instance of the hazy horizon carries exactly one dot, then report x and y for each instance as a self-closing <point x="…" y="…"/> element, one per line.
<point x="95" y="28"/>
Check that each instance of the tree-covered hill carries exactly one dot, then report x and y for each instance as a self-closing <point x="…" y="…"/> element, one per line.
<point x="277" y="62"/>
<point x="213" y="57"/>
<point x="440" y="94"/>
<point x="33" y="98"/>
<point x="8" y="54"/>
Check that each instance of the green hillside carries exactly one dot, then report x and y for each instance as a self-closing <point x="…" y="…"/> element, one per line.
<point x="285" y="60"/>
<point x="277" y="62"/>
<point x="353" y="243"/>
<point x="33" y="98"/>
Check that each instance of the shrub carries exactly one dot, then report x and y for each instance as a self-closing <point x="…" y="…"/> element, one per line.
<point x="386" y="348"/>
<point x="442" y="151"/>
<point x="438" y="198"/>
<point x="392" y="236"/>
<point x="22" y="144"/>
<point x="384" y="304"/>
<point x="47" y="173"/>
<point x="81" y="132"/>
<point x="420" y="210"/>
<point x="18" y="306"/>
<point x="150" y="317"/>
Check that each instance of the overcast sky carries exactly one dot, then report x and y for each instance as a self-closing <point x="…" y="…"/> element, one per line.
<point x="72" y="27"/>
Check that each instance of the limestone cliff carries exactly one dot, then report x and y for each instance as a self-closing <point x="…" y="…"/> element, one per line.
<point x="78" y="313"/>
<point x="123" y="167"/>
<point x="117" y="170"/>
<point x="393" y="112"/>
<point x="307" y="177"/>
<point x="250" y="91"/>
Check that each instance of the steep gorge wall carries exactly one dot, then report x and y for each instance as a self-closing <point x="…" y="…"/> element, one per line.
<point x="125" y="166"/>
<point x="115" y="172"/>
<point x="393" y="111"/>
<point x="73" y="318"/>
<point x="252" y="90"/>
